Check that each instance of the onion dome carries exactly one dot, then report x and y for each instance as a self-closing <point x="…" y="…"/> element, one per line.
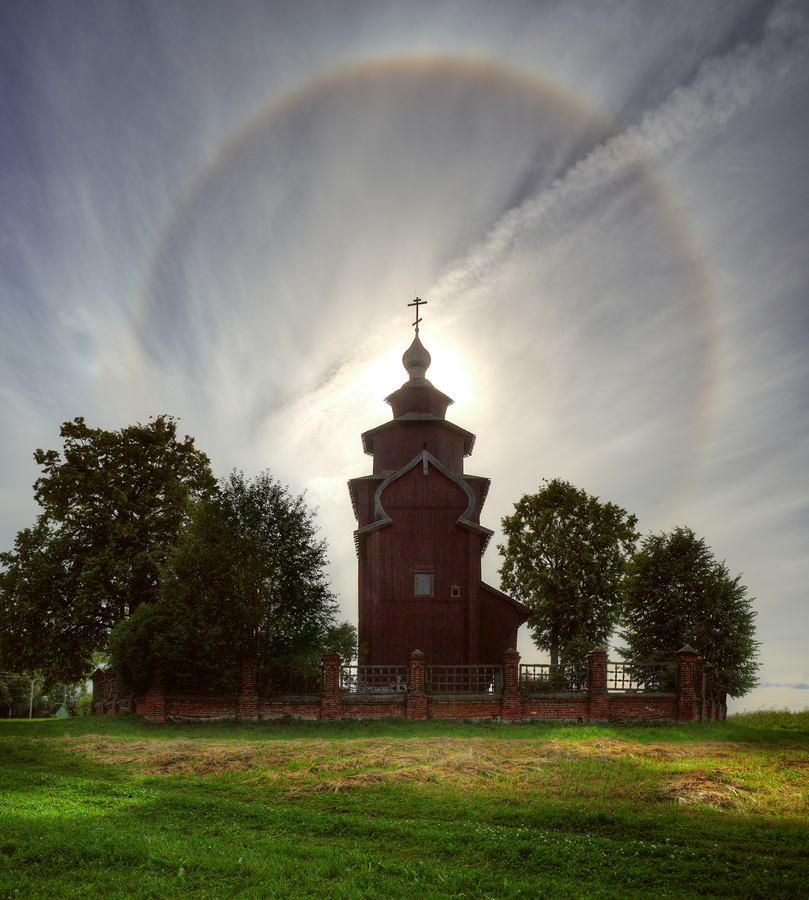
<point x="418" y="397"/>
<point x="416" y="361"/>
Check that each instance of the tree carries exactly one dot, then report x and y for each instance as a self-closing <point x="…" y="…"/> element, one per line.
<point x="112" y="510"/>
<point x="564" y="557"/>
<point x="677" y="593"/>
<point x="21" y="696"/>
<point x="246" y="582"/>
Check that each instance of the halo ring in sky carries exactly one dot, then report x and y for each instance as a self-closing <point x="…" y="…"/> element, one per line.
<point x="367" y="184"/>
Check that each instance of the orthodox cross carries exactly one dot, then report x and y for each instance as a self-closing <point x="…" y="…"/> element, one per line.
<point x="416" y="303"/>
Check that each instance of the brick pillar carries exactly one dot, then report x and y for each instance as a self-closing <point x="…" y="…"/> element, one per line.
<point x="247" y="710"/>
<point x="687" y="706"/>
<point x="699" y="687"/>
<point x="597" y="696"/>
<point x="331" y="703"/>
<point x="154" y="703"/>
<point x="108" y="695"/>
<point x="416" y="695"/>
<point x="511" y="702"/>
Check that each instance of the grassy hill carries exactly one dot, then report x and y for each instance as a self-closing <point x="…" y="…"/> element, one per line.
<point x="114" y="807"/>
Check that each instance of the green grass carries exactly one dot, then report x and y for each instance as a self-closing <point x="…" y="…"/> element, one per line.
<point x="117" y="808"/>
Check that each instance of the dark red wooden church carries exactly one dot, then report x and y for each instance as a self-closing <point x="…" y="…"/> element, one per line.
<point x="420" y="540"/>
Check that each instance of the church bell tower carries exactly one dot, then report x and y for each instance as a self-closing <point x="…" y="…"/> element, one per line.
<point x="419" y="538"/>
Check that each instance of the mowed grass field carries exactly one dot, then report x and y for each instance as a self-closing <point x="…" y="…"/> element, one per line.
<point x="117" y="808"/>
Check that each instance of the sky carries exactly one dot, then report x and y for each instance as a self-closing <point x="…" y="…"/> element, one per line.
<point x="220" y="211"/>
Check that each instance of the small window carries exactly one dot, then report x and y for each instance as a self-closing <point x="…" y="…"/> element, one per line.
<point x="455" y="591"/>
<point x="424" y="584"/>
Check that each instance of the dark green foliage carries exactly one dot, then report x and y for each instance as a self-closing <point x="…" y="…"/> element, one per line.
<point x="112" y="510"/>
<point x="677" y="593"/>
<point x="246" y="581"/>
<point x="564" y="558"/>
<point x="301" y="672"/>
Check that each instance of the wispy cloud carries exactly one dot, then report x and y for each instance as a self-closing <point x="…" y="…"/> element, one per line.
<point x="223" y="220"/>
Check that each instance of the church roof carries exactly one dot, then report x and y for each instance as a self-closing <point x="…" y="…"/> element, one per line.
<point x="368" y="437"/>
<point x="521" y="608"/>
<point x="417" y="394"/>
<point x="418" y="401"/>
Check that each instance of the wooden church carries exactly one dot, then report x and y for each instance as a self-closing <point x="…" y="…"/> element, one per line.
<point x="419" y="538"/>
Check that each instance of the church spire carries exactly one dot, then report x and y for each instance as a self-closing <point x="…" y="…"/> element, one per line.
<point x="417" y="396"/>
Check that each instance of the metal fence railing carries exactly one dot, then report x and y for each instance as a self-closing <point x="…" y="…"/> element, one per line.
<point x="373" y="679"/>
<point x="463" y="679"/>
<point x="475" y="679"/>
<point x="641" y="676"/>
<point x="564" y="677"/>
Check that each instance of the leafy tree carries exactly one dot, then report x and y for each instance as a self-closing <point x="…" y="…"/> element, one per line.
<point x="21" y="695"/>
<point x="246" y="581"/>
<point x="84" y="703"/>
<point x="677" y="593"/>
<point x="564" y="557"/>
<point x="112" y="510"/>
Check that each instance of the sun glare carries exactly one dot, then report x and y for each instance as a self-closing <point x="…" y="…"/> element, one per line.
<point x="451" y="370"/>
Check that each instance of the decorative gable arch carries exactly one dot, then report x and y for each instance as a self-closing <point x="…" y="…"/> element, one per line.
<point x="426" y="459"/>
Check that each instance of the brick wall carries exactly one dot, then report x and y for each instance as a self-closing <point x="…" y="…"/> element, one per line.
<point x="692" y="701"/>
<point x="358" y="706"/>
<point x="195" y="706"/>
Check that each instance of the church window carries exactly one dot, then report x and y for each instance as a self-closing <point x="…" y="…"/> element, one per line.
<point x="455" y="590"/>
<point x="424" y="584"/>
